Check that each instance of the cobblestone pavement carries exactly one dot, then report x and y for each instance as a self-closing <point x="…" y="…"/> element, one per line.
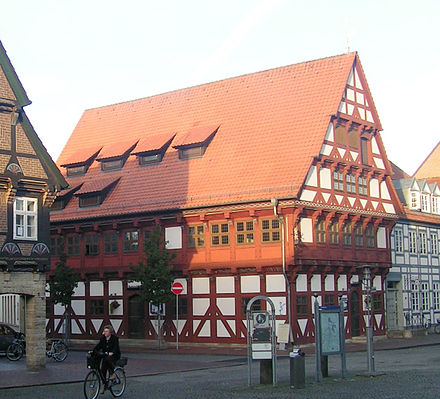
<point x="401" y="373"/>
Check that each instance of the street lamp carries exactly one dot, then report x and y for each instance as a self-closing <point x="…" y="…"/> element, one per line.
<point x="367" y="286"/>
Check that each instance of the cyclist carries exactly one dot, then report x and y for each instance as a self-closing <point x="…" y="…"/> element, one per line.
<point x="109" y="345"/>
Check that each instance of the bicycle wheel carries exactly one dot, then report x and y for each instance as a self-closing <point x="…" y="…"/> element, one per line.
<point x="437" y="328"/>
<point x="92" y="385"/>
<point x="14" y="352"/>
<point x="117" y="387"/>
<point x="60" y="351"/>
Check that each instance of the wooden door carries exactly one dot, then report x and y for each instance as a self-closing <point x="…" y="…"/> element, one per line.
<point x="355" y="314"/>
<point x="136" y="317"/>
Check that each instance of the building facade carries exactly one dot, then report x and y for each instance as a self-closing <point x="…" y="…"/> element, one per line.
<point x="29" y="180"/>
<point x="413" y="284"/>
<point x="274" y="183"/>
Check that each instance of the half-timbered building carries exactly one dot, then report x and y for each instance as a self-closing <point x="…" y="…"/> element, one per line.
<point x="273" y="183"/>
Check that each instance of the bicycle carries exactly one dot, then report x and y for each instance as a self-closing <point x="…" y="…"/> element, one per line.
<point x="437" y="327"/>
<point x="94" y="379"/>
<point x="56" y="349"/>
<point x="17" y="349"/>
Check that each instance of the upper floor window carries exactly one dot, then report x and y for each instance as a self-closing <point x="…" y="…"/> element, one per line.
<point x="435" y="204"/>
<point x="340" y="134"/>
<point x="334" y="233"/>
<point x="346" y="234"/>
<point x="415" y="296"/>
<point x="362" y="185"/>
<point x="220" y="234"/>
<point x="73" y="245"/>
<point x="424" y="202"/>
<point x="91" y="243"/>
<point x="25" y="218"/>
<point x="149" y="159"/>
<point x="412" y="242"/>
<point x="57" y="245"/>
<point x="351" y="183"/>
<point x="89" y="200"/>
<point x="376" y="302"/>
<point x="436" y="294"/>
<point x="423" y="243"/>
<point x="358" y="236"/>
<point x="111" y="242"/>
<point x="369" y="236"/>
<point x="320" y="232"/>
<point x="302" y="308"/>
<point x="270" y="230"/>
<point x="192" y="152"/>
<point x="338" y="181"/>
<point x="131" y="241"/>
<point x="112" y="164"/>
<point x="434" y="244"/>
<point x="415" y="200"/>
<point x="76" y="170"/>
<point x="364" y="151"/>
<point x="398" y="241"/>
<point x="425" y="296"/>
<point x="196" y="236"/>
<point x="245" y="232"/>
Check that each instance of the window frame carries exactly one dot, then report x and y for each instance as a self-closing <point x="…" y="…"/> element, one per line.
<point x="155" y="158"/>
<point x="302" y="309"/>
<point x="362" y="185"/>
<point x="358" y="236"/>
<point x="338" y="180"/>
<point x="370" y="236"/>
<point x="195" y="236"/>
<point x="398" y="240"/>
<point x="112" y="164"/>
<point x="333" y="230"/>
<point x="271" y="230"/>
<point x="73" y="245"/>
<point x="220" y="234"/>
<point x="412" y="242"/>
<point x="109" y="243"/>
<point x="94" y="306"/>
<point x="56" y="245"/>
<point x="245" y="232"/>
<point x="130" y="244"/>
<point x="77" y="170"/>
<point x="25" y="214"/>
<point x="91" y="244"/>
<point x="350" y="183"/>
<point x="190" y="151"/>
<point x="434" y="243"/>
<point x="423" y="239"/>
<point x="320" y="232"/>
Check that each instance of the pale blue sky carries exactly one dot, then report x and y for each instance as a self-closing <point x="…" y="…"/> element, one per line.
<point x="75" y="55"/>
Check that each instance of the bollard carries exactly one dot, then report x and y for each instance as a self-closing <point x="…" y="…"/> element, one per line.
<point x="324" y="365"/>
<point x="297" y="369"/>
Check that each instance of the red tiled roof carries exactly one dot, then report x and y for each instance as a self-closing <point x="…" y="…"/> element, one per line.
<point x="398" y="173"/>
<point x="272" y="125"/>
<point x="96" y="185"/>
<point x="68" y="190"/>
<point x="82" y="156"/>
<point x="430" y="168"/>
<point x="195" y="135"/>
<point x="153" y="143"/>
<point x="114" y="150"/>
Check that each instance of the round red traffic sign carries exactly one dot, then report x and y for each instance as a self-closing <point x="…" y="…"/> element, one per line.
<point x="177" y="288"/>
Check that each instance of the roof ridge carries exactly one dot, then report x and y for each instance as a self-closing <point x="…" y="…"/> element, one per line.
<point x="354" y="53"/>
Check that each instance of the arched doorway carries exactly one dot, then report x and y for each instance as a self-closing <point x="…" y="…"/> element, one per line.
<point x="136" y="317"/>
<point x="355" y="314"/>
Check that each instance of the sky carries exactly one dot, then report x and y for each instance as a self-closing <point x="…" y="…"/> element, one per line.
<point x="75" y="55"/>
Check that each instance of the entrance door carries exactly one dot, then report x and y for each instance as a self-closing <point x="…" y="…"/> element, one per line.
<point x="355" y="314"/>
<point x="136" y="317"/>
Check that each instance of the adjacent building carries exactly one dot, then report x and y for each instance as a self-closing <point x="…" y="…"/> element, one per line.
<point x="274" y="183"/>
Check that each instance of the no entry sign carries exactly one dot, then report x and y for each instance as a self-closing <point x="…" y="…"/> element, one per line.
<point x="177" y="288"/>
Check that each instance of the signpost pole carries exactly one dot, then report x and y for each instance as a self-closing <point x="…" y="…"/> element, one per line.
<point x="317" y="341"/>
<point x="342" y="337"/>
<point x="177" y="321"/>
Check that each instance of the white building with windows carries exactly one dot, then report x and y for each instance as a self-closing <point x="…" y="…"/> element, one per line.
<point x="413" y="283"/>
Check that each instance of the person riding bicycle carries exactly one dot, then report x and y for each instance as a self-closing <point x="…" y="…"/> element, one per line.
<point x="109" y="345"/>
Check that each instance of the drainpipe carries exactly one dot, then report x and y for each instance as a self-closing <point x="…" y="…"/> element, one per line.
<point x="274" y="202"/>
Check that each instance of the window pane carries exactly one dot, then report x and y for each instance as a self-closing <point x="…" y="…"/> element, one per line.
<point x="31" y="206"/>
<point x="19" y="205"/>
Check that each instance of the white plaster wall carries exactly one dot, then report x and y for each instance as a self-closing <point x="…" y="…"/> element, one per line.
<point x="385" y="194"/>
<point x="306" y="225"/>
<point x="115" y="288"/>
<point x="226" y="306"/>
<point x="200" y="285"/>
<point x="200" y="306"/>
<point x="315" y="283"/>
<point x="374" y="188"/>
<point x="325" y="178"/>
<point x="250" y="284"/>
<point x="389" y="208"/>
<point x="326" y="149"/>
<point x="173" y="236"/>
<point x="80" y="289"/>
<point x="329" y="282"/>
<point x="96" y="288"/>
<point x="377" y="283"/>
<point x="330" y="136"/>
<point x="381" y="237"/>
<point x="225" y="285"/>
<point x="342" y="283"/>
<point x="374" y="146"/>
<point x="280" y="305"/>
<point x="275" y="283"/>
<point x="301" y="283"/>
<point x="58" y="309"/>
<point x="312" y="177"/>
<point x="79" y="307"/>
<point x="118" y="311"/>
<point x="222" y="332"/>
<point x="379" y="163"/>
<point x="307" y="195"/>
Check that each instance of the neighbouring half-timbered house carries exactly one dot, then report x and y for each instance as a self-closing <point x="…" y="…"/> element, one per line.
<point x="258" y="179"/>
<point x="29" y="180"/>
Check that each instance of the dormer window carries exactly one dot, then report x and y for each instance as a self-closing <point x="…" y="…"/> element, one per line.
<point x="93" y="193"/>
<point x="195" y="142"/>
<point x="111" y="164"/>
<point x="415" y="200"/>
<point x="114" y="156"/>
<point x="151" y="150"/>
<point x="435" y="204"/>
<point x="148" y="159"/>
<point x="79" y="162"/>
<point x="424" y="202"/>
<point x="64" y="197"/>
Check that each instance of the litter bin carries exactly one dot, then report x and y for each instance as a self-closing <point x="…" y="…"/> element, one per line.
<point x="297" y="369"/>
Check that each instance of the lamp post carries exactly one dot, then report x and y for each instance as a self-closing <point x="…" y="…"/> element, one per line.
<point x="366" y="283"/>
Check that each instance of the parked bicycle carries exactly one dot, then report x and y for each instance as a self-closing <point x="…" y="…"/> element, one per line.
<point x="437" y="327"/>
<point x="56" y="349"/>
<point x="17" y="349"/>
<point x="94" y="379"/>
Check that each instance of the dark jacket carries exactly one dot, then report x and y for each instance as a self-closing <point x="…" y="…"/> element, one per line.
<point x="112" y="345"/>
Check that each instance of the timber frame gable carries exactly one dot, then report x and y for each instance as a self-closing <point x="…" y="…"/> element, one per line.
<point x="29" y="179"/>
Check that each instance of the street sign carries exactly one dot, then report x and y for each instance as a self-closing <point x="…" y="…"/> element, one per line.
<point x="177" y="288"/>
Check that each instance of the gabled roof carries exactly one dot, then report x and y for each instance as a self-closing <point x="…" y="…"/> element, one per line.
<point x="116" y="150"/>
<point x="96" y="186"/>
<point x="84" y="156"/>
<point x="153" y="143"/>
<point x="397" y="172"/>
<point x="22" y="100"/>
<point x="272" y="125"/>
<point x="430" y="167"/>
<point x="196" y="135"/>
